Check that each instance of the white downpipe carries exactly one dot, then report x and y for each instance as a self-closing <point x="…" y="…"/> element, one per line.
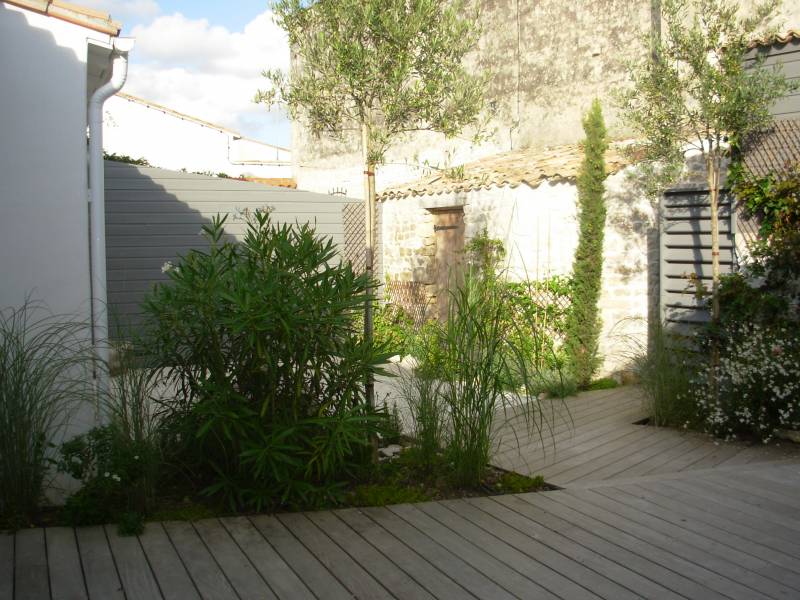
<point x="97" y="210"/>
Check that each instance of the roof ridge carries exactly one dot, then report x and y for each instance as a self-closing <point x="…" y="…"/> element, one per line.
<point x="72" y="13"/>
<point x="181" y="115"/>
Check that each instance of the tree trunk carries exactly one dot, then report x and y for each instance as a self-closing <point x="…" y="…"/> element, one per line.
<point x="713" y="167"/>
<point x="369" y="245"/>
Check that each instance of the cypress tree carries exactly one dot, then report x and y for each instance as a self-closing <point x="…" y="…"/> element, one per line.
<point x="583" y="322"/>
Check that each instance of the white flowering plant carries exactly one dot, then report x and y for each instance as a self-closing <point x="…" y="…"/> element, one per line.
<point x="755" y="389"/>
<point x="114" y="471"/>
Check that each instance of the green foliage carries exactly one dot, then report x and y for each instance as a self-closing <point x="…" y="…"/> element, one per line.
<point x="514" y="483"/>
<point x="420" y="391"/>
<point x="583" y="320"/>
<point x="774" y="200"/>
<point x="392" y="65"/>
<point x="118" y="474"/>
<point x="479" y="349"/>
<point x="697" y="92"/>
<point x="384" y="494"/>
<point x="665" y="369"/>
<point x="44" y="362"/>
<point x="555" y="383"/>
<point x="605" y="383"/>
<point x="130" y="523"/>
<point x="260" y="340"/>
<point x="394" y="329"/>
<point x="755" y="389"/>
<point x="124" y="158"/>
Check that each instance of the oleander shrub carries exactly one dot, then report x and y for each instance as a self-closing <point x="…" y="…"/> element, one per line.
<point x="261" y="340"/>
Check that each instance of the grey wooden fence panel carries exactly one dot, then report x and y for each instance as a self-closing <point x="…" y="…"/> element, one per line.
<point x="686" y="253"/>
<point x="154" y="216"/>
<point x="788" y="56"/>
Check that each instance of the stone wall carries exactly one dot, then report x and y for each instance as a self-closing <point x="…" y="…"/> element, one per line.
<point x="540" y="231"/>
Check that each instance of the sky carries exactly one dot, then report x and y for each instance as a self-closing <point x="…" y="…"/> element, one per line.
<point x="204" y="58"/>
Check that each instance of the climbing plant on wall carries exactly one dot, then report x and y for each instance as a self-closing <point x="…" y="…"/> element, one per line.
<point x="583" y="321"/>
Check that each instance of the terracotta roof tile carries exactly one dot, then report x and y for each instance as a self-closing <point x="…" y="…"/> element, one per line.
<point x="776" y="38"/>
<point x="72" y="13"/>
<point x="530" y="166"/>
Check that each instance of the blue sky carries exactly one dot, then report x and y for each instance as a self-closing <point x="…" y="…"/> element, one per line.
<point x="204" y="58"/>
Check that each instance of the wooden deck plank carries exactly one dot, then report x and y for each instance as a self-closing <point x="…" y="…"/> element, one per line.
<point x="729" y="519"/>
<point x="282" y="580"/>
<point x="244" y="578"/>
<point x="517" y="514"/>
<point x="710" y="563"/>
<point x="170" y="573"/>
<point x="360" y="583"/>
<point x="643" y="468"/>
<point x="375" y="563"/>
<point x="632" y="570"/>
<point x="575" y="413"/>
<point x="137" y="579"/>
<point x="99" y="570"/>
<point x="479" y="558"/>
<point x="606" y="452"/>
<point x="564" y="423"/>
<point x="687" y="579"/>
<point x="444" y="559"/>
<point x="531" y="546"/>
<point x="780" y="496"/>
<point x="310" y="570"/>
<point x="744" y="551"/>
<point x="31" y="581"/>
<point x="758" y="508"/>
<point x="523" y="564"/>
<point x="628" y="456"/>
<point x="433" y="580"/>
<point x="64" y="564"/>
<point x="6" y="565"/>
<point x="583" y="429"/>
<point x="208" y="578"/>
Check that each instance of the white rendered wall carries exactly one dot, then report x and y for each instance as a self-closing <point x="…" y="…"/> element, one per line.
<point x="170" y="142"/>
<point x="44" y="228"/>
<point x="539" y="229"/>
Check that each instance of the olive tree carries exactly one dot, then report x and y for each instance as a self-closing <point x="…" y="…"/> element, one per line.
<point x="695" y="93"/>
<point x="377" y="69"/>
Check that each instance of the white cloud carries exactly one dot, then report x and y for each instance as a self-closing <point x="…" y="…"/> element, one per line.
<point x="125" y="10"/>
<point x="208" y="71"/>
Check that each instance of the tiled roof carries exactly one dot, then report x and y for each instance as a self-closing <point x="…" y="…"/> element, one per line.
<point x="530" y="166"/>
<point x="774" y="150"/>
<point x="776" y="38"/>
<point x="72" y="13"/>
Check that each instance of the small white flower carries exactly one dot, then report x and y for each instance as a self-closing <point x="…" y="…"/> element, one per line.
<point x="167" y="266"/>
<point x="106" y="474"/>
<point x="136" y="457"/>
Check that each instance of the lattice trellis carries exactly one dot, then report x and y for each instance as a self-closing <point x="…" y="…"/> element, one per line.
<point x="410" y="296"/>
<point x="354" y="233"/>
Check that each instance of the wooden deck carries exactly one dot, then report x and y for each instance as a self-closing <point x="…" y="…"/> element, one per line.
<point x="593" y="437"/>
<point x="643" y="520"/>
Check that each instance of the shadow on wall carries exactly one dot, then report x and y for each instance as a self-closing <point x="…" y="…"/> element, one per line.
<point x="148" y="226"/>
<point x="634" y="217"/>
<point x="44" y="236"/>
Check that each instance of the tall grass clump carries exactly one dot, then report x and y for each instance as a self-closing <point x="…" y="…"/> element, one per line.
<point x="43" y="360"/>
<point x="480" y="347"/>
<point x="665" y="374"/>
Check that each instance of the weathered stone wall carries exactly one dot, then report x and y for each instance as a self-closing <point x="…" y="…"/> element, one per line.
<point x="548" y="61"/>
<point x="540" y="231"/>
